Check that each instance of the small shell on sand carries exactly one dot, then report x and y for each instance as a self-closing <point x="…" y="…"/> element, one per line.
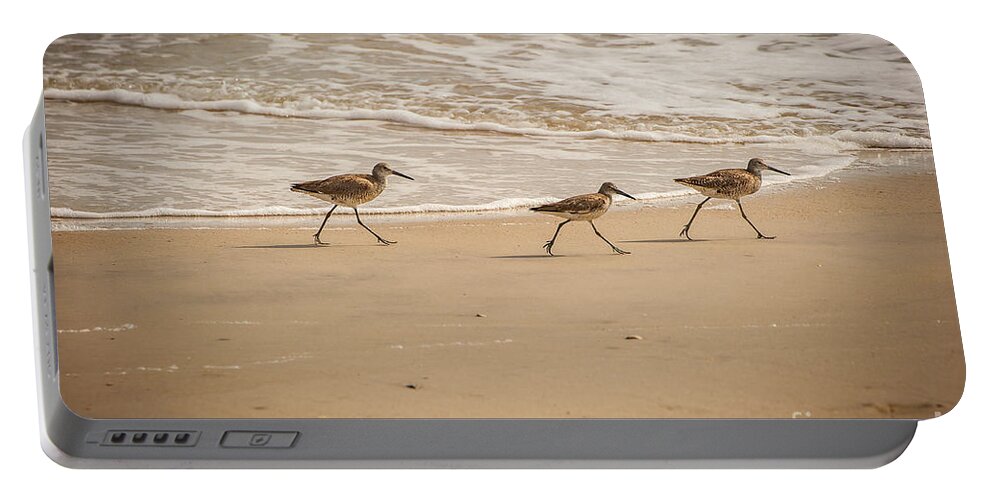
<point x="633" y="337"/>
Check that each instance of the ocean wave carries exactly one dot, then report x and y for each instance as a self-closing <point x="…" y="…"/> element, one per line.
<point x="881" y="140"/>
<point x="844" y="139"/>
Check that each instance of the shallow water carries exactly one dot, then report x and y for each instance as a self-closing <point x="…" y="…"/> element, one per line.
<point x="220" y="125"/>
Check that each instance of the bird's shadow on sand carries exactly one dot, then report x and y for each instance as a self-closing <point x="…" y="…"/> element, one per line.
<point x="556" y="256"/>
<point x="532" y="256"/>
<point x="666" y="240"/>
<point x="302" y="245"/>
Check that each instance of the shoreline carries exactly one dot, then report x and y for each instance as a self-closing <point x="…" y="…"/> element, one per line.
<point x="885" y="163"/>
<point x="845" y="315"/>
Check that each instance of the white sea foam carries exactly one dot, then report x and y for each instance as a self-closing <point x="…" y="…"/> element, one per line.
<point x="168" y="369"/>
<point x="427" y="208"/>
<point x="507" y="204"/>
<point x="144" y="369"/>
<point x="98" y="329"/>
<point x="279" y="360"/>
<point x="457" y="343"/>
<point x="881" y="140"/>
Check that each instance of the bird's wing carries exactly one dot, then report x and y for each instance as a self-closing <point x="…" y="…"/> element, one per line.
<point x="348" y="183"/>
<point x="338" y="185"/>
<point x="729" y="180"/>
<point x="577" y="205"/>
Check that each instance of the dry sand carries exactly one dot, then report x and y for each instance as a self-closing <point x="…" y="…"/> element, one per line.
<point x="849" y="313"/>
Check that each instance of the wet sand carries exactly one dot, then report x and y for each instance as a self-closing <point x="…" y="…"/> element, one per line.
<point x="849" y="313"/>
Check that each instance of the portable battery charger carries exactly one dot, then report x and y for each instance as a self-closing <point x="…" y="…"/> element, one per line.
<point x="490" y="250"/>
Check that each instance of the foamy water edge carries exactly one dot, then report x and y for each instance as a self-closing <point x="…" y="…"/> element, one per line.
<point x="508" y="204"/>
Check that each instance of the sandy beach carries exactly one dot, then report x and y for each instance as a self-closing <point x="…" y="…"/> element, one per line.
<point x="848" y="313"/>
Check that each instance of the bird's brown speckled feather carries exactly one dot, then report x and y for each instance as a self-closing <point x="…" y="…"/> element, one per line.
<point x="584" y="206"/>
<point x="349" y="190"/>
<point x="729" y="184"/>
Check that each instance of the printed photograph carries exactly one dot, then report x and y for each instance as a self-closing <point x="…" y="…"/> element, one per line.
<point x="496" y="226"/>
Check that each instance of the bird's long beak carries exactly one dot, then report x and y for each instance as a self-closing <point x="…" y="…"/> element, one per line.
<point x="622" y="193"/>
<point x="777" y="170"/>
<point x="405" y="176"/>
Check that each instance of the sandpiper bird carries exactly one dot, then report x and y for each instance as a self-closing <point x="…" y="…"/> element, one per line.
<point x="729" y="184"/>
<point x="350" y="190"/>
<point x="583" y="207"/>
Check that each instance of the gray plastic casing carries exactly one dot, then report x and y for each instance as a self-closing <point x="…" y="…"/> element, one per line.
<point x="75" y="441"/>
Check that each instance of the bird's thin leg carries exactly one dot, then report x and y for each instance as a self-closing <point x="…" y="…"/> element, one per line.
<point x="760" y="235"/>
<point x="549" y="243"/>
<point x="317" y="235"/>
<point x="612" y="246"/>
<point x="378" y="237"/>
<point x="686" y="229"/>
